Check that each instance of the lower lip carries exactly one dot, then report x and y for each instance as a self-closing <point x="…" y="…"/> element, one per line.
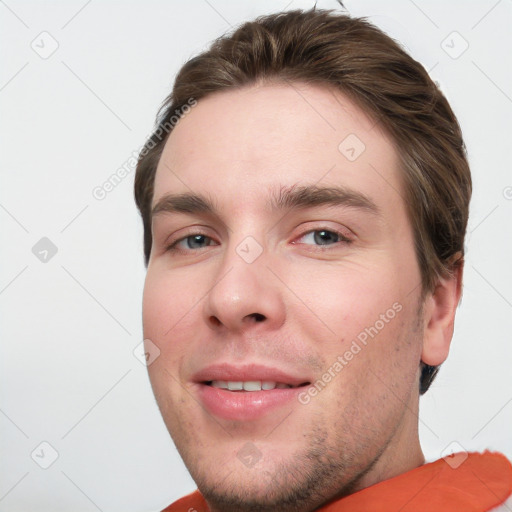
<point x="245" y="405"/>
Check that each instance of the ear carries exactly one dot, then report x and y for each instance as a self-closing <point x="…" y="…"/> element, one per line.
<point x="439" y="315"/>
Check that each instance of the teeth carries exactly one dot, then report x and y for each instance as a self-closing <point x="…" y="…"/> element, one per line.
<point x="250" y="385"/>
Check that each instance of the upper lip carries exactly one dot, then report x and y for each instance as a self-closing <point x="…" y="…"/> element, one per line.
<point x="247" y="372"/>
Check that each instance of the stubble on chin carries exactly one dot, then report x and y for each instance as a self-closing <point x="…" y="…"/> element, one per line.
<point x="304" y="481"/>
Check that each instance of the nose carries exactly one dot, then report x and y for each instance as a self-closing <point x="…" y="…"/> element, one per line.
<point x="244" y="296"/>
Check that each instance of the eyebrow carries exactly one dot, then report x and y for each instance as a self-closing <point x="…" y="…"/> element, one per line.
<point x="285" y="198"/>
<point x="312" y="195"/>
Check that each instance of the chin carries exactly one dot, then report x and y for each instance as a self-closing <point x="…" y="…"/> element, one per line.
<point x="297" y="479"/>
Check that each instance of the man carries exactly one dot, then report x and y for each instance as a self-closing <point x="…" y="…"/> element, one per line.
<point x="326" y="177"/>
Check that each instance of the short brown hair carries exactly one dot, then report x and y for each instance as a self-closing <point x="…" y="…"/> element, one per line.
<point x="354" y="57"/>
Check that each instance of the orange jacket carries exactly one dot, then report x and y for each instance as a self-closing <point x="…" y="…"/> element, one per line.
<point x="471" y="482"/>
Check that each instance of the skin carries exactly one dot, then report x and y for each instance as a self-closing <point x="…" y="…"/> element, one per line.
<point x="313" y="299"/>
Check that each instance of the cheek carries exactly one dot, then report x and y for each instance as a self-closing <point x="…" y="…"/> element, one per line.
<point x="169" y="318"/>
<point x="169" y="303"/>
<point x="367" y="317"/>
<point x="346" y="301"/>
<point x="161" y="312"/>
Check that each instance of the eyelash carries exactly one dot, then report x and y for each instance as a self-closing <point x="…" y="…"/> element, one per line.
<point x="172" y="247"/>
<point x="342" y="239"/>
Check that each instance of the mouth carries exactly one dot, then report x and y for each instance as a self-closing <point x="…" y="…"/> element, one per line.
<point x="252" y="385"/>
<point x="247" y="393"/>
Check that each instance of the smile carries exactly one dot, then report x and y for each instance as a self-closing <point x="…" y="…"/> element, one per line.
<point x="250" y="385"/>
<point x="246" y="393"/>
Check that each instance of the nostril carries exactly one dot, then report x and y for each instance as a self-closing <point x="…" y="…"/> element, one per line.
<point x="258" y="317"/>
<point x="215" y="321"/>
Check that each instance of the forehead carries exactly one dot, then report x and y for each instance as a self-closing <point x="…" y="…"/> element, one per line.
<point x="243" y="142"/>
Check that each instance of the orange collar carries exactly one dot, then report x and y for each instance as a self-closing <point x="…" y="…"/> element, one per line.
<point x="480" y="483"/>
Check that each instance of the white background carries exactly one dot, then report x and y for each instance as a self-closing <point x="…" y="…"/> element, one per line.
<point x="69" y="326"/>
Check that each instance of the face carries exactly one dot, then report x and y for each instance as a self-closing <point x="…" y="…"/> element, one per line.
<point x="283" y="292"/>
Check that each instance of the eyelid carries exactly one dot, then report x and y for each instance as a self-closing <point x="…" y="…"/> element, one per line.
<point x="170" y="244"/>
<point x="344" y="237"/>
